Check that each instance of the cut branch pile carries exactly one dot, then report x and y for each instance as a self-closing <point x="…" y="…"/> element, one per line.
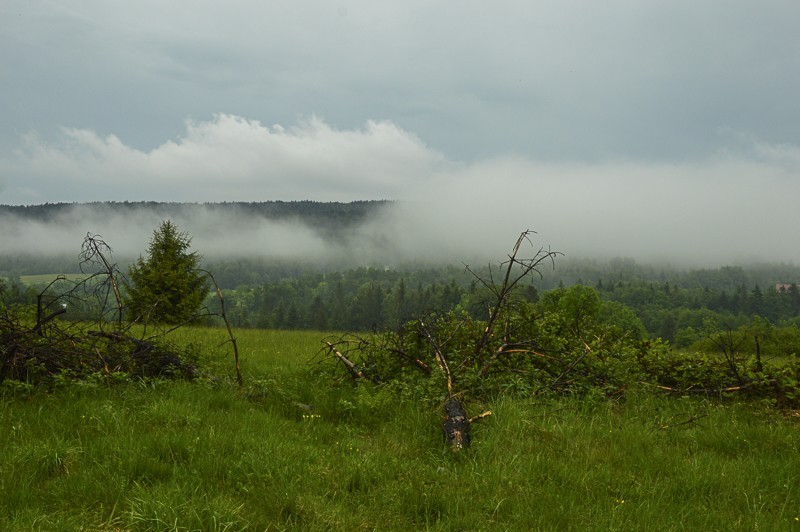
<point x="27" y="356"/>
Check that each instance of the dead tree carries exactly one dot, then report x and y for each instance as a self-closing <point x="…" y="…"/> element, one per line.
<point x="43" y="315"/>
<point x="517" y="269"/>
<point x="455" y="346"/>
<point x="456" y="424"/>
<point x="93" y="253"/>
<point x="96" y="341"/>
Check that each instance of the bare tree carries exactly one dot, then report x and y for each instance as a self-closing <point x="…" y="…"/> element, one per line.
<point x="454" y="345"/>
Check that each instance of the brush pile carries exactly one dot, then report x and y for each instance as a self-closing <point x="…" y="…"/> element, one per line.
<point x="36" y="354"/>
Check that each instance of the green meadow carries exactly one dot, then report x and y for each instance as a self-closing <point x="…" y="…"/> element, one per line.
<point x="44" y="279"/>
<point x="298" y="447"/>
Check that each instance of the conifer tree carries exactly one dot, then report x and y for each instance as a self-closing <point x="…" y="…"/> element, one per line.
<point x="166" y="287"/>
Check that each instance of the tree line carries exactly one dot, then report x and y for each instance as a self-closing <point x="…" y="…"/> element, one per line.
<point x="675" y="305"/>
<point x="368" y="297"/>
<point x="365" y="298"/>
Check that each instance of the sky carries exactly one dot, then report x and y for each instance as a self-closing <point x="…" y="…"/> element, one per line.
<point x="665" y="129"/>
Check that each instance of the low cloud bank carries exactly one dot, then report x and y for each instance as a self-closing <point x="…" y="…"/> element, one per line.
<point x="731" y="207"/>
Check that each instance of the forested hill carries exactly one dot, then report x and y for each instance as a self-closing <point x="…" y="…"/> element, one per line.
<point x="45" y="238"/>
<point x="330" y="214"/>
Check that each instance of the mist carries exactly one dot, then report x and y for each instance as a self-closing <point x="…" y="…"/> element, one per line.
<point x="679" y="215"/>
<point x="733" y="206"/>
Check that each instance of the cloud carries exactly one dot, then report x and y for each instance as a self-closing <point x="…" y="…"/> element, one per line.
<point x="735" y="205"/>
<point x="229" y="158"/>
<point x="724" y="210"/>
<point x="547" y="80"/>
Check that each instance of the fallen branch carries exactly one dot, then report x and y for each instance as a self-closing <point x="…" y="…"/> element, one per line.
<point x="473" y="419"/>
<point x="354" y="371"/>
<point x="417" y="362"/>
<point x="665" y="426"/>
<point x="508" y="349"/>
<point x="440" y="359"/>
<point x="707" y="391"/>
<point x="227" y="326"/>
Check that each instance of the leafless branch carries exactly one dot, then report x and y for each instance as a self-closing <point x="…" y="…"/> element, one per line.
<point x="227" y="325"/>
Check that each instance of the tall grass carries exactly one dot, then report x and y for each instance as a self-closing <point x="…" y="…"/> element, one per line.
<point x="294" y="448"/>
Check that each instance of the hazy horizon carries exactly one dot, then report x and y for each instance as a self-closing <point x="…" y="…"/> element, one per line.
<point x="393" y="234"/>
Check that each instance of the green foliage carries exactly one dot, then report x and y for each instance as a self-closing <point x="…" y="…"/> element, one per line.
<point x="362" y="299"/>
<point x="568" y="342"/>
<point x="720" y="375"/>
<point x="14" y="292"/>
<point x="166" y="287"/>
<point x="571" y="342"/>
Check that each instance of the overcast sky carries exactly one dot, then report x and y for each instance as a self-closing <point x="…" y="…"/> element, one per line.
<point x="631" y="127"/>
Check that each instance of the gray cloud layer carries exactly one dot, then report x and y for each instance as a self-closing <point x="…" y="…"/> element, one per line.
<point x="546" y="79"/>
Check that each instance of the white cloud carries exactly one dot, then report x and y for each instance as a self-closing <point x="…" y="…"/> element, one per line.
<point x="231" y="158"/>
<point x="722" y="210"/>
<point x="733" y="206"/>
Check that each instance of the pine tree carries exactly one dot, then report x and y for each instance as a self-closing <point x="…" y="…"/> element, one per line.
<point x="166" y="287"/>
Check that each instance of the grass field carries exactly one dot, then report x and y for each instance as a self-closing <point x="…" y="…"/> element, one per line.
<point x="211" y="456"/>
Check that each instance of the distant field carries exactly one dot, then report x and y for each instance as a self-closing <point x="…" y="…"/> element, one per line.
<point x="45" y="278"/>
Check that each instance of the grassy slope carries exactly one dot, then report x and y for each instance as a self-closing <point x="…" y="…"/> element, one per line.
<point x="208" y="456"/>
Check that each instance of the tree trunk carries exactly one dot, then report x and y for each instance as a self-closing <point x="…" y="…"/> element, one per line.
<point x="456" y="425"/>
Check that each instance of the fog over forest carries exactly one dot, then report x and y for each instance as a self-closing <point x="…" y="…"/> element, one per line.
<point x="622" y="217"/>
<point x="731" y="207"/>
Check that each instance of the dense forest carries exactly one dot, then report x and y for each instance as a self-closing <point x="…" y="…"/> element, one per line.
<point x="681" y="309"/>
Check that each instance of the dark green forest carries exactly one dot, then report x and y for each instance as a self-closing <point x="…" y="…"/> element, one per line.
<point x="329" y="214"/>
<point x="682" y="310"/>
<point x="681" y="307"/>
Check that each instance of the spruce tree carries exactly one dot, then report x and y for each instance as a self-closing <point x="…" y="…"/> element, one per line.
<point x="166" y="287"/>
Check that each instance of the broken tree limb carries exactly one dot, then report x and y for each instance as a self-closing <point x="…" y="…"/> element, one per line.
<point x="571" y="366"/>
<point x="691" y="419"/>
<point x="227" y="326"/>
<point x="417" y="362"/>
<point x="507" y="349"/>
<point x="473" y="419"/>
<point x="354" y="371"/>
<point x="708" y="391"/>
<point x="440" y="359"/>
